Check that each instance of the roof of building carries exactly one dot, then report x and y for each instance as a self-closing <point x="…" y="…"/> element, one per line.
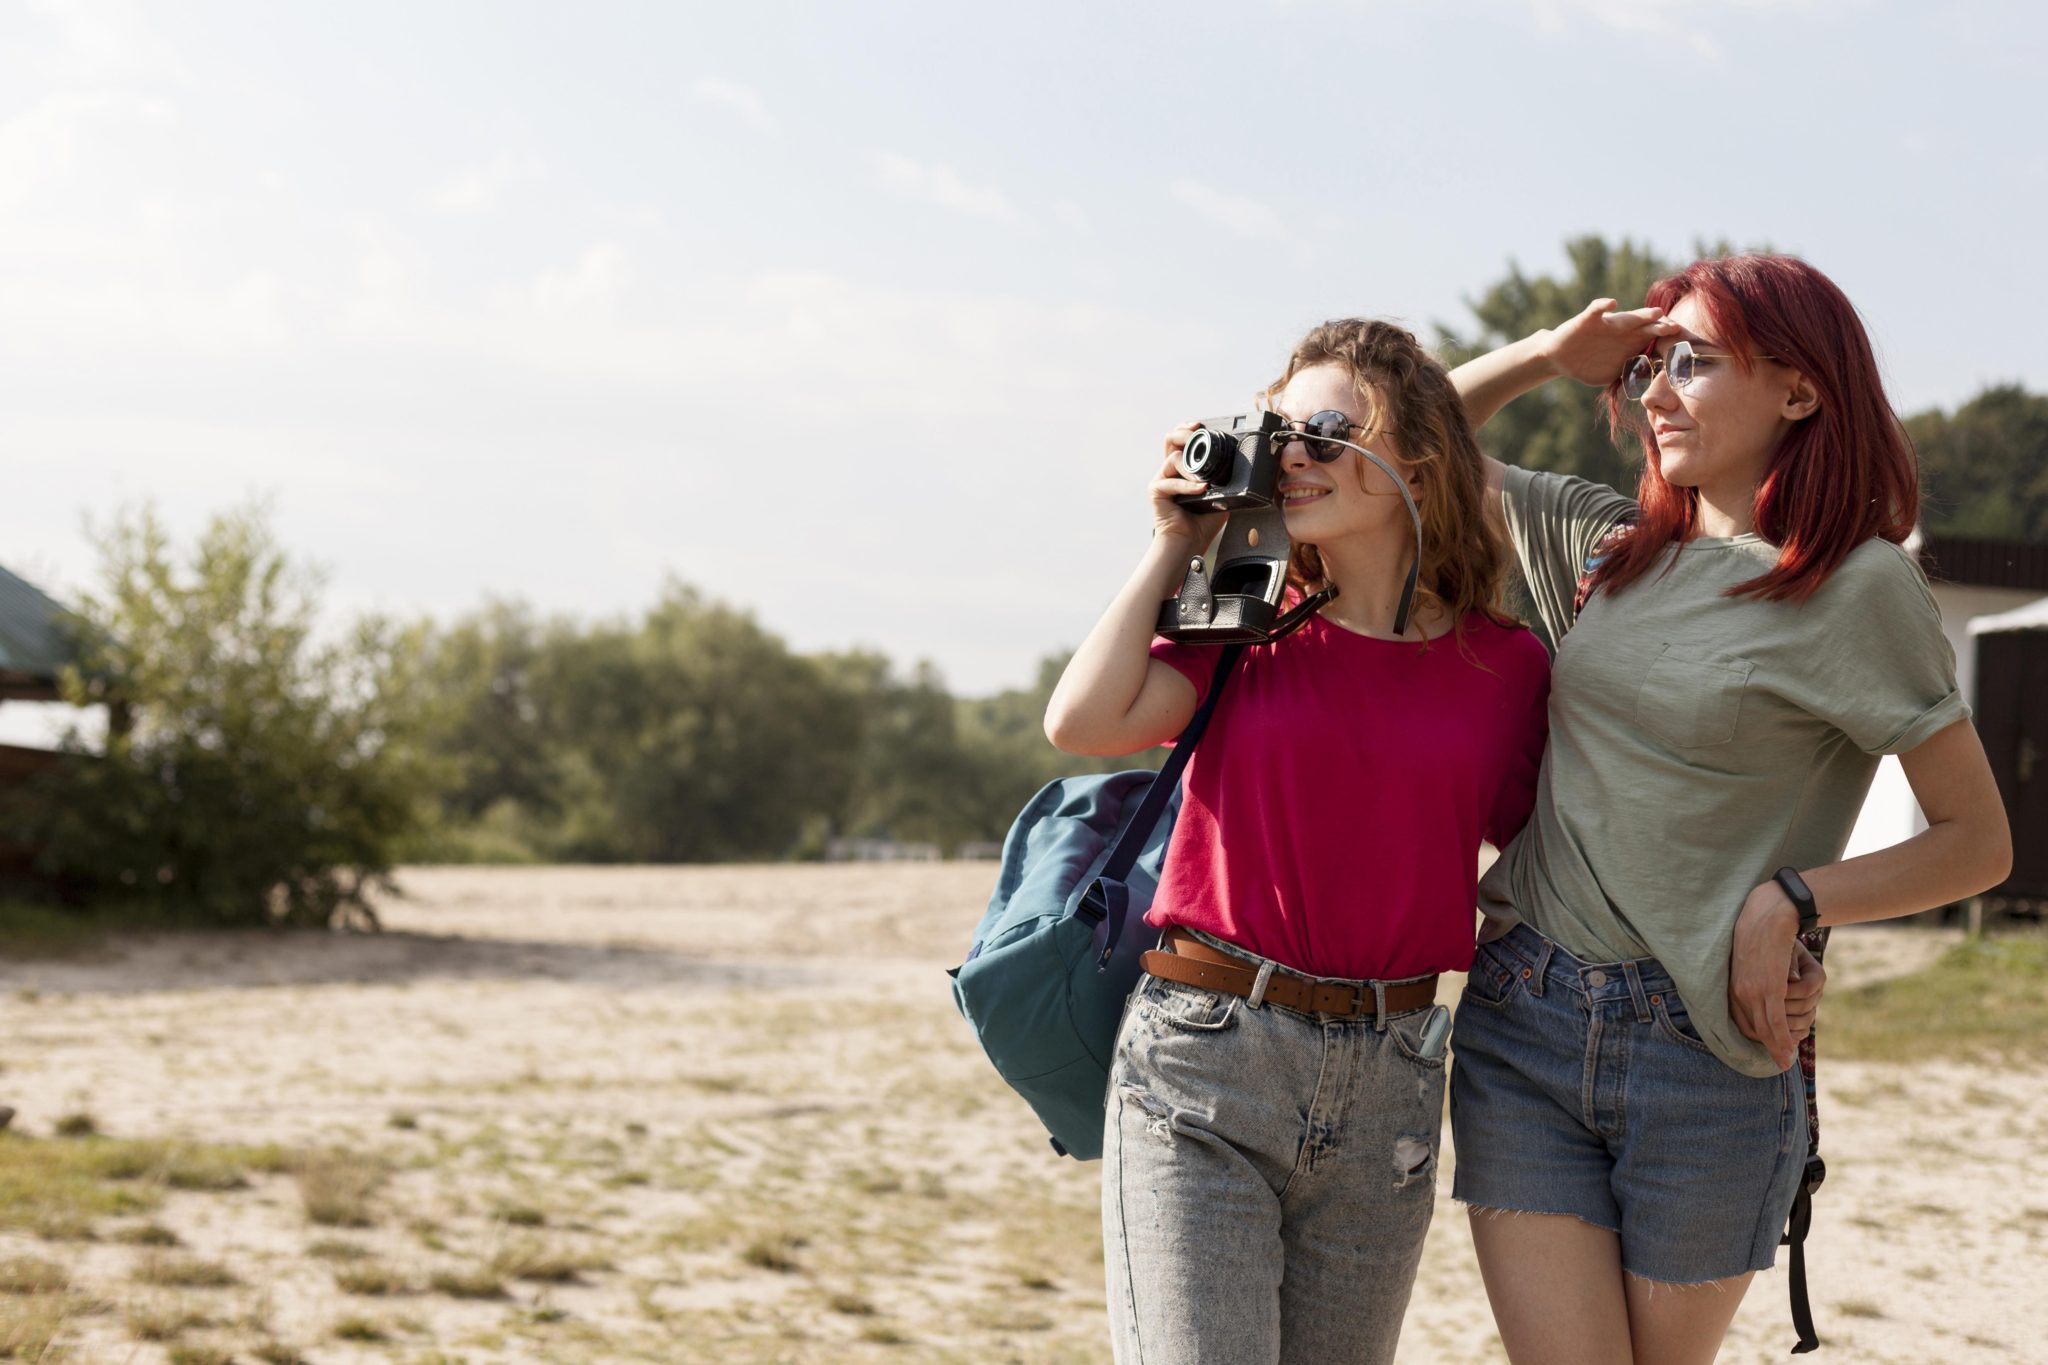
<point x="33" y="647"/>
<point x="2032" y="616"/>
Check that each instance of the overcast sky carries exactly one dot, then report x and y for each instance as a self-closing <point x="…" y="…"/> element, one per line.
<point x="869" y="317"/>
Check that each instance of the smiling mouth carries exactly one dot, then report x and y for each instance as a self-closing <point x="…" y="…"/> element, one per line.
<point x="1291" y="496"/>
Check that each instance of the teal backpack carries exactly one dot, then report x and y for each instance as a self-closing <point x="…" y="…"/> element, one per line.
<point x="1046" y="978"/>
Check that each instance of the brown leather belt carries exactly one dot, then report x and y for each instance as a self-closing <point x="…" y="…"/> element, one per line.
<point x="1184" y="958"/>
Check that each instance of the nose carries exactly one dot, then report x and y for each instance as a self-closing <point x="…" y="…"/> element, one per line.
<point x="1294" y="456"/>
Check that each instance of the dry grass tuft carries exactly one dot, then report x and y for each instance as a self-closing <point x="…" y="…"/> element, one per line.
<point x="373" y="1279"/>
<point x="337" y="1186"/>
<point x="546" y="1265"/>
<point x="183" y="1272"/>
<point x="76" y="1125"/>
<point x="357" y="1328"/>
<point x="468" y="1284"/>
<point x="32" y="1275"/>
<point x="146" y="1235"/>
<point x="164" y="1319"/>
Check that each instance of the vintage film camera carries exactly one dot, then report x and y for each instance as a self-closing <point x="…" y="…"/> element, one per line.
<point x="1235" y="597"/>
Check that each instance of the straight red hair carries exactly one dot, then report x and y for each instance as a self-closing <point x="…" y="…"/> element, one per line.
<point x="1843" y="475"/>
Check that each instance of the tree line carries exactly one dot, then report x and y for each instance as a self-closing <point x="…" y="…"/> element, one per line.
<point x="257" y="769"/>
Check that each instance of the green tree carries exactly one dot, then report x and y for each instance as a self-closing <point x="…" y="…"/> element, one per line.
<point x="1984" y="468"/>
<point x="252" y="773"/>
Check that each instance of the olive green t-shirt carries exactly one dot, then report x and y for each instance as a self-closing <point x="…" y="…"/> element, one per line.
<point x="1700" y="742"/>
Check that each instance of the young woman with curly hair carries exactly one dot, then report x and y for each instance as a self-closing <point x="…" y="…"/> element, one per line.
<point x="1271" y="1134"/>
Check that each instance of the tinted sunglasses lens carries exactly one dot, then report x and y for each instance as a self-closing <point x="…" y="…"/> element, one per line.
<point x="1636" y="382"/>
<point x="1681" y="365"/>
<point x="1324" y="429"/>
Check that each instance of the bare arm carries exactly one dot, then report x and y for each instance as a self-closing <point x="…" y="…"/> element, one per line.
<point x="1966" y="848"/>
<point x="1114" y="697"/>
<point x="1592" y="348"/>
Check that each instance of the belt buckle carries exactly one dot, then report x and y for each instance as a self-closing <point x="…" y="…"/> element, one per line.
<point x="1363" y="1004"/>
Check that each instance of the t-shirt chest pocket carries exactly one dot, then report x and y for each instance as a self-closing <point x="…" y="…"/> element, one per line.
<point x="1691" y="699"/>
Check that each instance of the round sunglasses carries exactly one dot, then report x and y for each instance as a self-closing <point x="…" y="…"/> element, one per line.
<point x="1321" y="433"/>
<point x="1681" y="367"/>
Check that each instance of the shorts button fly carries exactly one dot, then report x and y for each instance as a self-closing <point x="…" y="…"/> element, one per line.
<point x="1596" y="977"/>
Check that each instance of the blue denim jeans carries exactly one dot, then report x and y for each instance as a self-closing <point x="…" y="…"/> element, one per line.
<point x="1581" y="1088"/>
<point x="1267" y="1180"/>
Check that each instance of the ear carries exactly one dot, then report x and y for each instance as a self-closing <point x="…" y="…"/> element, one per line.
<point x="1802" y="400"/>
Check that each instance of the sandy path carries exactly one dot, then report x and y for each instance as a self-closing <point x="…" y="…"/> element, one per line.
<point x="742" y="1097"/>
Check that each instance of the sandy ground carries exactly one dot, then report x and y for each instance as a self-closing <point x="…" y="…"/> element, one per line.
<point x="741" y="1099"/>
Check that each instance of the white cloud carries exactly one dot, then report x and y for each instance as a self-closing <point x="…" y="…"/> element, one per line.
<point x="1253" y="219"/>
<point x="941" y="185"/>
<point x="740" y="99"/>
<point x="1672" y="20"/>
<point x="481" y="187"/>
<point x="103" y="41"/>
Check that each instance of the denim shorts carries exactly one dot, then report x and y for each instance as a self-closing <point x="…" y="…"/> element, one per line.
<point x="1581" y="1088"/>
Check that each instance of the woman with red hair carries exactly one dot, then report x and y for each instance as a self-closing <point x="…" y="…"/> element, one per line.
<point x="1737" y="645"/>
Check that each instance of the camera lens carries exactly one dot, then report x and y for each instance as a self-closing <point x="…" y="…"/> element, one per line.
<point x="1206" y="456"/>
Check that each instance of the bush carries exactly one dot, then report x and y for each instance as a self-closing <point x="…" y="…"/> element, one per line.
<point x="250" y="772"/>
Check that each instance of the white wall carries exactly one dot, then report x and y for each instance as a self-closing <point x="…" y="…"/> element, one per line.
<point x="1890" y="813"/>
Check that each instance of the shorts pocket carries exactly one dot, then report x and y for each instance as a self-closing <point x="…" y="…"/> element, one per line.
<point x="1494" y="978"/>
<point x="1188" y="1007"/>
<point x="1674" y="1023"/>
<point x="1691" y="700"/>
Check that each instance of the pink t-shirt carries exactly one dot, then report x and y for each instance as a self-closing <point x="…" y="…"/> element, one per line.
<point x="1331" y="817"/>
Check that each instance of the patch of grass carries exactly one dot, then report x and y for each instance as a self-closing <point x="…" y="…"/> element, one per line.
<point x="184" y="1272"/>
<point x="338" y="1249"/>
<point x="77" y="1125"/>
<point x="59" y="1188"/>
<point x="776" y="1252"/>
<point x="336" y="1188"/>
<point x="404" y="1120"/>
<point x="1986" y="1000"/>
<point x="200" y="1355"/>
<point x="372" y="1278"/>
<point x="32" y="930"/>
<point x="146" y="1235"/>
<point x="274" y="1352"/>
<point x="355" y="1328"/>
<point x="468" y="1284"/>
<point x="533" y="1261"/>
<point x="852" y="1305"/>
<point x="1858" y="1308"/>
<point x="520" y="1215"/>
<point x="162" y="1319"/>
<point x="882" y="1334"/>
<point x="28" y="1325"/>
<point x="31" y="1275"/>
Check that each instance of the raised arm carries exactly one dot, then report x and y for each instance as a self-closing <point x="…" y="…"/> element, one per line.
<point x="1592" y="348"/>
<point x="1114" y="697"/>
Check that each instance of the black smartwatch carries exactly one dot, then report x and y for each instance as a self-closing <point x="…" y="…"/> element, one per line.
<point x="1795" y="887"/>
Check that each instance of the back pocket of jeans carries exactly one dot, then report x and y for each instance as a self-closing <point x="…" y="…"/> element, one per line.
<point x="1690" y="699"/>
